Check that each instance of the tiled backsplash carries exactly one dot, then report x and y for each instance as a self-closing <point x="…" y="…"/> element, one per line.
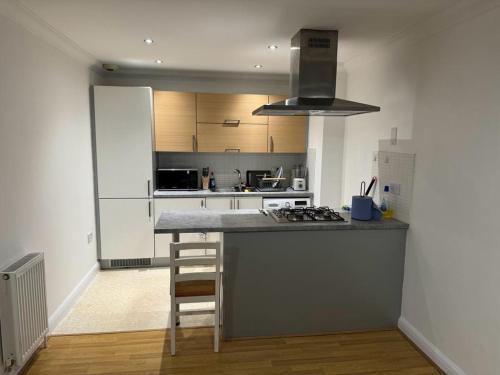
<point x="395" y="168"/>
<point x="223" y="164"/>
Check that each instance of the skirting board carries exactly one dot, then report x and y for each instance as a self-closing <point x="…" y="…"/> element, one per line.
<point x="439" y="358"/>
<point x="71" y="299"/>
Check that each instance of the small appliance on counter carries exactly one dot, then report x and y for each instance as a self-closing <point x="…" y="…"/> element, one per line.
<point x="177" y="179"/>
<point x="299" y="182"/>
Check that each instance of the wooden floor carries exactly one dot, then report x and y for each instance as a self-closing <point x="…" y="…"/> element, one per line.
<point x="147" y="353"/>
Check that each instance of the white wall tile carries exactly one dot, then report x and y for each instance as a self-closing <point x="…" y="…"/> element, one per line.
<point x="395" y="167"/>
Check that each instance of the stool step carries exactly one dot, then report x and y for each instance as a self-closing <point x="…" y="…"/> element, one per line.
<point x="195" y="288"/>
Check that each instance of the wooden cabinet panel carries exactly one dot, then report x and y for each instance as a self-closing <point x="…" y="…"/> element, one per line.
<point x="175" y="121"/>
<point x="218" y="108"/>
<point x="242" y="138"/>
<point x="287" y="133"/>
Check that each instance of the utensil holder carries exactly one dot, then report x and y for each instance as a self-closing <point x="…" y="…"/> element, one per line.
<point x="204" y="182"/>
<point x="361" y="207"/>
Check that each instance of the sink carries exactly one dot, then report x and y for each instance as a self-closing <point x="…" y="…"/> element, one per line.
<point x="225" y="190"/>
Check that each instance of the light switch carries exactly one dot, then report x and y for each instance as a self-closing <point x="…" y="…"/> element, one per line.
<point x="90" y="237"/>
<point x="395" y="188"/>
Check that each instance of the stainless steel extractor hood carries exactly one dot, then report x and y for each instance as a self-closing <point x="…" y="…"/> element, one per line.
<point x="313" y="78"/>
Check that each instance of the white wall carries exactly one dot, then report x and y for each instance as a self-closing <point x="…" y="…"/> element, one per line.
<point x="325" y="153"/>
<point x="443" y="91"/>
<point x="46" y="178"/>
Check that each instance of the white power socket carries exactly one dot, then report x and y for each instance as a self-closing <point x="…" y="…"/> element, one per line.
<point x="395" y="188"/>
<point x="90" y="237"/>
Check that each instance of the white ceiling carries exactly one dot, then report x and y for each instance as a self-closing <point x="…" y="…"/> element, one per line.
<point x="223" y="35"/>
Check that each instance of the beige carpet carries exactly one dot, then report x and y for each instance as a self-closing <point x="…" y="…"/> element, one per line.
<point x="128" y="300"/>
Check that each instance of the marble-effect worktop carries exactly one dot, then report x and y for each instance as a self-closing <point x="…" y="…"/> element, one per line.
<point x="204" y="220"/>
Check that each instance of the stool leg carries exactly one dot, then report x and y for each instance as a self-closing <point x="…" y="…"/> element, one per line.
<point x="217" y="315"/>
<point x="173" y="321"/>
<point x="216" y="330"/>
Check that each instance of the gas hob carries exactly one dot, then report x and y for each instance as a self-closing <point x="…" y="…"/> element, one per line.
<point x="308" y="214"/>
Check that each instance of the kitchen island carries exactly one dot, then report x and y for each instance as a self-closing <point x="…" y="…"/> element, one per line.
<point x="302" y="278"/>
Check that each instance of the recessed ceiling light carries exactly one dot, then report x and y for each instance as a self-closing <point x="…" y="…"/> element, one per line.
<point x="149" y="41"/>
<point x="159" y="61"/>
<point x="273" y="47"/>
<point x="258" y="66"/>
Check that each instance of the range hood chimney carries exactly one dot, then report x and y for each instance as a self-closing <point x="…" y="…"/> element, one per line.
<point x="313" y="79"/>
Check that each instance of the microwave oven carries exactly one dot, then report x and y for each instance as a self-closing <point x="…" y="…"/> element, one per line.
<point x="177" y="179"/>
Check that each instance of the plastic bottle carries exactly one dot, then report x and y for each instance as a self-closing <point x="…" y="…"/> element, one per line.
<point x="385" y="206"/>
<point x="211" y="184"/>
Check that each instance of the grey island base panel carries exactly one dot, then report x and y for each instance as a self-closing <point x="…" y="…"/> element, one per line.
<point x="307" y="282"/>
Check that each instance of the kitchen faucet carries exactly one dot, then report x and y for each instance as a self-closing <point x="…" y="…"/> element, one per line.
<point x="240" y="185"/>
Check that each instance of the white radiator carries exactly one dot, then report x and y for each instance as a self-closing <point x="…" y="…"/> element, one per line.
<point x="24" y="311"/>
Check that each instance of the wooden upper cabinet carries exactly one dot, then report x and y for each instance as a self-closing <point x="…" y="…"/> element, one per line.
<point x="175" y="121"/>
<point x="224" y="138"/>
<point x="223" y="108"/>
<point x="287" y="134"/>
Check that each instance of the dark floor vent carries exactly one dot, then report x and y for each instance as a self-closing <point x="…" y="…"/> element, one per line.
<point x="125" y="263"/>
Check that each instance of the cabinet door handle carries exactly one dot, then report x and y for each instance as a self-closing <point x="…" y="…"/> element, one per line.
<point x="149" y="208"/>
<point x="202" y="203"/>
<point x="238" y="204"/>
<point x="271" y="144"/>
<point x="149" y="188"/>
<point x="232" y="150"/>
<point x="194" y="143"/>
<point x="231" y="204"/>
<point x="231" y="122"/>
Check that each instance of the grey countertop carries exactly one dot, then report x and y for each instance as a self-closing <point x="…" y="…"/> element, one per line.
<point x="208" y="193"/>
<point x="204" y="220"/>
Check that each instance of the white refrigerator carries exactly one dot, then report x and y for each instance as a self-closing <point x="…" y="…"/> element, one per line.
<point x="123" y="120"/>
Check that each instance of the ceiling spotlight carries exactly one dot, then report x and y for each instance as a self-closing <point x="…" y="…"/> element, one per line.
<point x="158" y="61"/>
<point x="149" y="41"/>
<point x="258" y="66"/>
<point x="273" y="47"/>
